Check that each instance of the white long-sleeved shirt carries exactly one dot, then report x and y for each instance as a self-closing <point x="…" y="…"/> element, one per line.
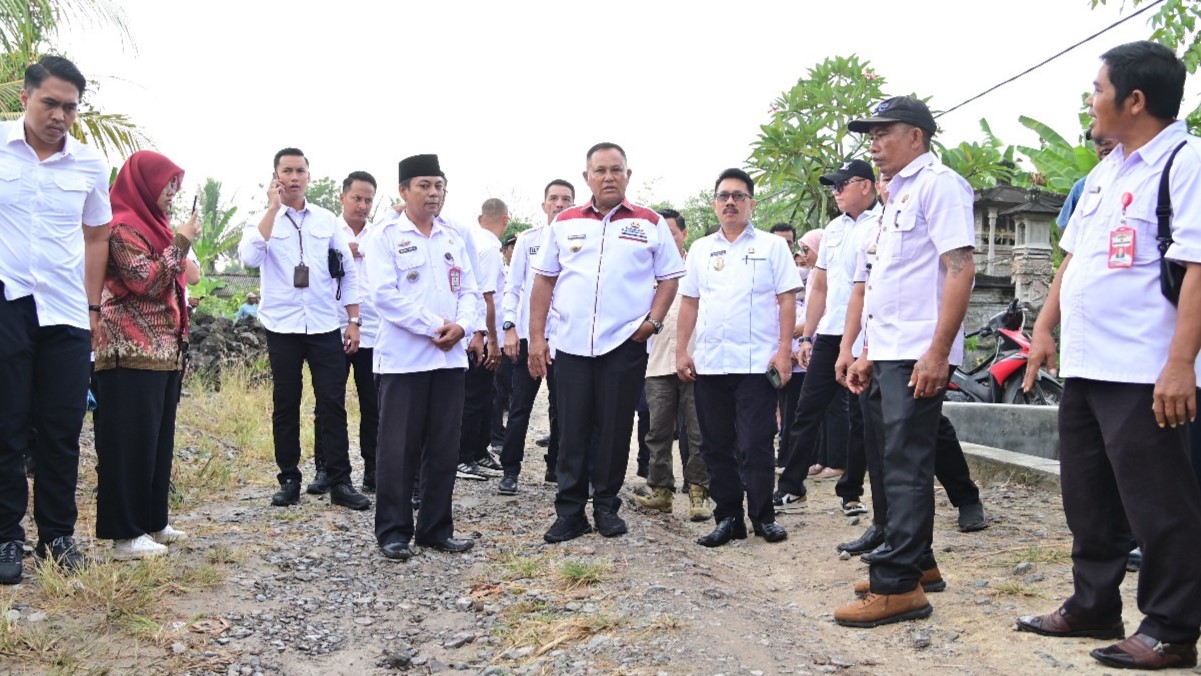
<point x="370" y="317"/>
<point x="285" y="308"/>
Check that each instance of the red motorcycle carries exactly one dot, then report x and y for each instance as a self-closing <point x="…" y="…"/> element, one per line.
<point x="998" y="380"/>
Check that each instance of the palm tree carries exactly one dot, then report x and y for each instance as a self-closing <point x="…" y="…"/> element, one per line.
<point x="27" y="30"/>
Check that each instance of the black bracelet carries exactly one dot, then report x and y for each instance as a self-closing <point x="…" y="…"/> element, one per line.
<point x="94" y="308"/>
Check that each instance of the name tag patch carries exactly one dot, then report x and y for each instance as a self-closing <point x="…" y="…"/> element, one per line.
<point x="634" y="233"/>
<point x="407" y="249"/>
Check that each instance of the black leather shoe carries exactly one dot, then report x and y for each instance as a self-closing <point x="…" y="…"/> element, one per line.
<point x="873" y="537"/>
<point x="971" y="518"/>
<point x="551" y="477"/>
<point x="369" y="481"/>
<point x="727" y="529"/>
<point x="567" y="528"/>
<point x="344" y="495"/>
<point x="542" y="441"/>
<point x="873" y="555"/>
<point x="507" y="485"/>
<point x="11" y="555"/>
<point x="449" y="545"/>
<point x="1062" y="625"/>
<point x="288" y="493"/>
<point x="609" y="524"/>
<point x="771" y="531"/>
<point x="320" y="484"/>
<point x="397" y="551"/>
<point x="62" y="549"/>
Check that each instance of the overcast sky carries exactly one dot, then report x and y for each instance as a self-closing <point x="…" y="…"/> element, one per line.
<point x="511" y="95"/>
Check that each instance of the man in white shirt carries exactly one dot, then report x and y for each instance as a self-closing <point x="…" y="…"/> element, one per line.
<point x="297" y="245"/>
<point x="916" y="299"/>
<point x="601" y="263"/>
<point x="50" y="280"/>
<point x="1129" y="359"/>
<point x="475" y="461"/>
<point x="556" y="196"/>
<point x="740" y="297"/>
<point x="357" y="198"/>
<point x="422" y="283"/>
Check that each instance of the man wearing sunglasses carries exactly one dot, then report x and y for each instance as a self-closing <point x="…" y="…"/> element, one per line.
<point x="821" y="334"/>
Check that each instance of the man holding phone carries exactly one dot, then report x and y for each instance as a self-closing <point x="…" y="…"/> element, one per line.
<point x="294" y="242"/>
<point x="739" y="294"/>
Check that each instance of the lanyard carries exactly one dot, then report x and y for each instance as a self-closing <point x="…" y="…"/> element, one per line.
<point x="299" y="235"/>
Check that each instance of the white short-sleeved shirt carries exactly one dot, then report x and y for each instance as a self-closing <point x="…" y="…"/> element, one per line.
<point x="864" y="262"/>
<point x="1115" y="324"/>
<point x="490" y="273"/>
<point x="607" y="265"/>
<point x="367" y="313"/>
<point x="738" y="284"/>
<point x="840" y="247"/>
<point x="43" y="204"/>
<point x="411" y="281"/>
<point x="285" y="308"/>
<point x="520" y="282"/>
<point x="929" y="213"/>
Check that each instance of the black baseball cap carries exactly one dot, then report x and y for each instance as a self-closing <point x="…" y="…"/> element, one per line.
<point x="897" y="109"/>
<point x="849" y="170"/>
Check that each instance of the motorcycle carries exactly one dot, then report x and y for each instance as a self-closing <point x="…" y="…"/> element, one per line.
<point x="999" y="379"/>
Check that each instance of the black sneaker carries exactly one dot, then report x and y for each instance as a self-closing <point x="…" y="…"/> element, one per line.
<point x="508" y="485"/>
<point x="62" y="549"/>
<point x="288" y="493"/>
<point x="469" y="470"/>
<point x="11" y="554"/>
<point x="344" y="495"/>
<point x="488" y="465"/>
<point x="609" y="524"/>
<point x="567" y="528"/>
<point x="369" y="481"/>
<point x="320" y="484"/>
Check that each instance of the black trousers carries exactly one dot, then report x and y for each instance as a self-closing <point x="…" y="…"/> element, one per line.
<point x="361" y="364"/>
<point x="788" y="397"/>
<point x="643" y="410"/>
<point x="850" y="484"/>
<point x="908" y="428"/>
<point x="521" y="403"/>
<point x="135" y="445"/>
<point x="820" y="394"/>
<point x="1122" y="475"/>
<point x="736" y="413"/>
<point x="477" y="412"/>
<point x="596" y="397"/>
<point x="502" y="393"/>
<point x="44" y="373"/>
<point x="287" y="353"/>
<point x="418" y="438"/>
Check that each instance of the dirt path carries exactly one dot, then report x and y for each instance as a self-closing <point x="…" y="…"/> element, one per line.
<point x="305" y="592"/>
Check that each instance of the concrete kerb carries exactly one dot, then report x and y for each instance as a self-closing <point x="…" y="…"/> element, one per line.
<point x="996" y="465"/>
<point x="1030" y="430"/>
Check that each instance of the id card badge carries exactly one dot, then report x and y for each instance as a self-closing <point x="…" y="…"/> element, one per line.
<point x="455" y="276"/>
<point x="1121" y="247"/>
<point x="300" y="276"/>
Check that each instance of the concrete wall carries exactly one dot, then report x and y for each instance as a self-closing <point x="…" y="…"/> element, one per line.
<point x="1033" y="430"/>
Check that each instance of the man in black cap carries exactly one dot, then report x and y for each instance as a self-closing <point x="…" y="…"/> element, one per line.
<point x="915" y="301"/>
<point x="422" y="281"/>
<point x="820" y="334"/>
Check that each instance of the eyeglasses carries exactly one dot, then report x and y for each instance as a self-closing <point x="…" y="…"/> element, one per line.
<point x="805" y="249"/>
<point x="842" y="185"/>
<point x="726" y="196"/>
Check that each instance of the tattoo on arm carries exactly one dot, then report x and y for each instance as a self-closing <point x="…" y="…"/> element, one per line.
<point x="959" y="260"/>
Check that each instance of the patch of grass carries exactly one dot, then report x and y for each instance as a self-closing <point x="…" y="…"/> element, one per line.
<point x="574" y="574"/>
<point x="223" y="555"/>
<point x="1035" y="554"/>
<point x="1015" y="588"/>
<point x="515" y="566"/>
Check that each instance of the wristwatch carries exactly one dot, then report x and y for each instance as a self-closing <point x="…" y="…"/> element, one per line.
<point x="357" y="321"/>
<point x="655" y="323"/>
<point x="805" y="339"/>
<point x="508" y="325"/>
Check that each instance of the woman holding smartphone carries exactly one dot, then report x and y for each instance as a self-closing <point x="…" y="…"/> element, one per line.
<point x="141" y="350"/>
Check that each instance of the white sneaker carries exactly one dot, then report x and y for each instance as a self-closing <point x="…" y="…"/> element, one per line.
<point x="169" y="536"/>
<point x="138" y="548"/>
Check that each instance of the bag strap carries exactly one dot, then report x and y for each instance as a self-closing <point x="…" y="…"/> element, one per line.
<point x="1163" y="210"/>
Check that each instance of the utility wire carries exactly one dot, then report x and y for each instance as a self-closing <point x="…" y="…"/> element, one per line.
<point x="1052" y="58"/>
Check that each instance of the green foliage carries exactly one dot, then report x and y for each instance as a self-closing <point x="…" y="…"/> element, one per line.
<point x="218" y="235"/>
<point x="1059" y="162"/>
<point x="324" y="192"/>
<point x="807" y="136"/>
<point x="1175" y="25"/>
<point x="983" y="164"/>
<point x="515" y="227"/>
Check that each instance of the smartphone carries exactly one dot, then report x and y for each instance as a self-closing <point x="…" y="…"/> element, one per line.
<point x="195" y="201"/>
<point x="773" y="377"/>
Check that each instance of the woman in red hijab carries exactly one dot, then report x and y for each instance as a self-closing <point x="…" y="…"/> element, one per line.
<point x="140" y="352"/>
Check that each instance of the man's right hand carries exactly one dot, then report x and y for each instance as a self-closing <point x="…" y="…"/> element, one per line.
<point x="448" y="335"/>
<point x="539" y="357"/>
<point x="1042" y="355"/>
<point x="845" y="360"/>
<point x="686" y="368"/>
<point x="275" y="193"/>
<point x="512" y="344"/>
<point x="859" y="376"/>
<point x="804" y="352"/>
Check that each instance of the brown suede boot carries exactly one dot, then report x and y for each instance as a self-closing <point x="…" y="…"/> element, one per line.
<point x="698" y="503"/>
<point x="659" y="498"/>
<point x="931" y="581"/>
<point x="874" y="610"/>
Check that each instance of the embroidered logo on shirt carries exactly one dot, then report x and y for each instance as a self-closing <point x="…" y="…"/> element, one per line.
<point x="407" y="249"/>
<point x="633" y="232"/>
